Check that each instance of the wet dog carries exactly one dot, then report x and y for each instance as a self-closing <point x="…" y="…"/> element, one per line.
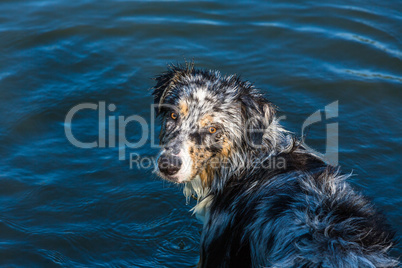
<point x="264" y="199"/>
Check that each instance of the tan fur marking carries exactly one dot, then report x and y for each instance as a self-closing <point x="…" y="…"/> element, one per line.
<point x="205" y="164"/>
<point x="225" y="148"/>
<point x="183" y="108"/>
<point x="206" y="176"/>
<point x="206" y="120"/>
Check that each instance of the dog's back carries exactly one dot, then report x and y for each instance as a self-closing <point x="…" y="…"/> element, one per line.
<point x="304" y="215"/>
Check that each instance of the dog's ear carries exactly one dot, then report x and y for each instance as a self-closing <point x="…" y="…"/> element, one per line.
<point x="163" y="85"/>
<point x="168" y="80"/>
<point x="257" y="114"/>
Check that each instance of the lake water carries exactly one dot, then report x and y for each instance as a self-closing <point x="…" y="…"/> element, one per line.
<point x="63" y="206"/>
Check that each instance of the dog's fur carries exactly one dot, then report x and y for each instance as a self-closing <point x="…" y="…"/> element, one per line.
<point x="264" y="199"/>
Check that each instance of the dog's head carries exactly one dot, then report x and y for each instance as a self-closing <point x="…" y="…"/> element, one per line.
<point x="206" y="119"/>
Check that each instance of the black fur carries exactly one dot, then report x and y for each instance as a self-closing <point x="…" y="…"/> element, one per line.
<point x="257" y="214"/>
<point x="231" y="231"/>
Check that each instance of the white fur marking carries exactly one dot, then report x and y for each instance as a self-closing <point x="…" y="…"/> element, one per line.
<point x="195" y="188"/>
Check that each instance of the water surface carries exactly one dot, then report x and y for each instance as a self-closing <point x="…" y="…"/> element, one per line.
<point x="63" y="206"/>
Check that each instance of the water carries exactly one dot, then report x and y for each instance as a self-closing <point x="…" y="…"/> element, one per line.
<point x="72" y="207"/>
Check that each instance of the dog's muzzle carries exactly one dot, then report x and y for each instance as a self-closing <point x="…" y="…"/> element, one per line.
<point x="169" y="164"/>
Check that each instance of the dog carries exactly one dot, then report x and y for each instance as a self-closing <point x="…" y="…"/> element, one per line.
<point x="264" y="199"/>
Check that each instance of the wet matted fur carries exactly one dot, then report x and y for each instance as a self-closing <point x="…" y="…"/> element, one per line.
<point x="264" y="199"/>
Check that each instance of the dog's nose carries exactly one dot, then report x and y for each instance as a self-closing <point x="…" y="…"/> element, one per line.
<point x="169" y="164"/>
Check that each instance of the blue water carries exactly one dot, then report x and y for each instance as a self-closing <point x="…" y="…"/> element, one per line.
<point x="63" y="206"/>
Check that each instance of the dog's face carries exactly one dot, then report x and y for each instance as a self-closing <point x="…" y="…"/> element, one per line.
<point x="203" y="121"/>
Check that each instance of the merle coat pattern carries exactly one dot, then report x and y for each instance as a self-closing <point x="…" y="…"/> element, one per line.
<point x="264" y="199"/>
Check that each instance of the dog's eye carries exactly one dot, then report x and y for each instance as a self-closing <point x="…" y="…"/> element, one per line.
<point x="173" y="115"/>
<point x="212" y="130"/>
